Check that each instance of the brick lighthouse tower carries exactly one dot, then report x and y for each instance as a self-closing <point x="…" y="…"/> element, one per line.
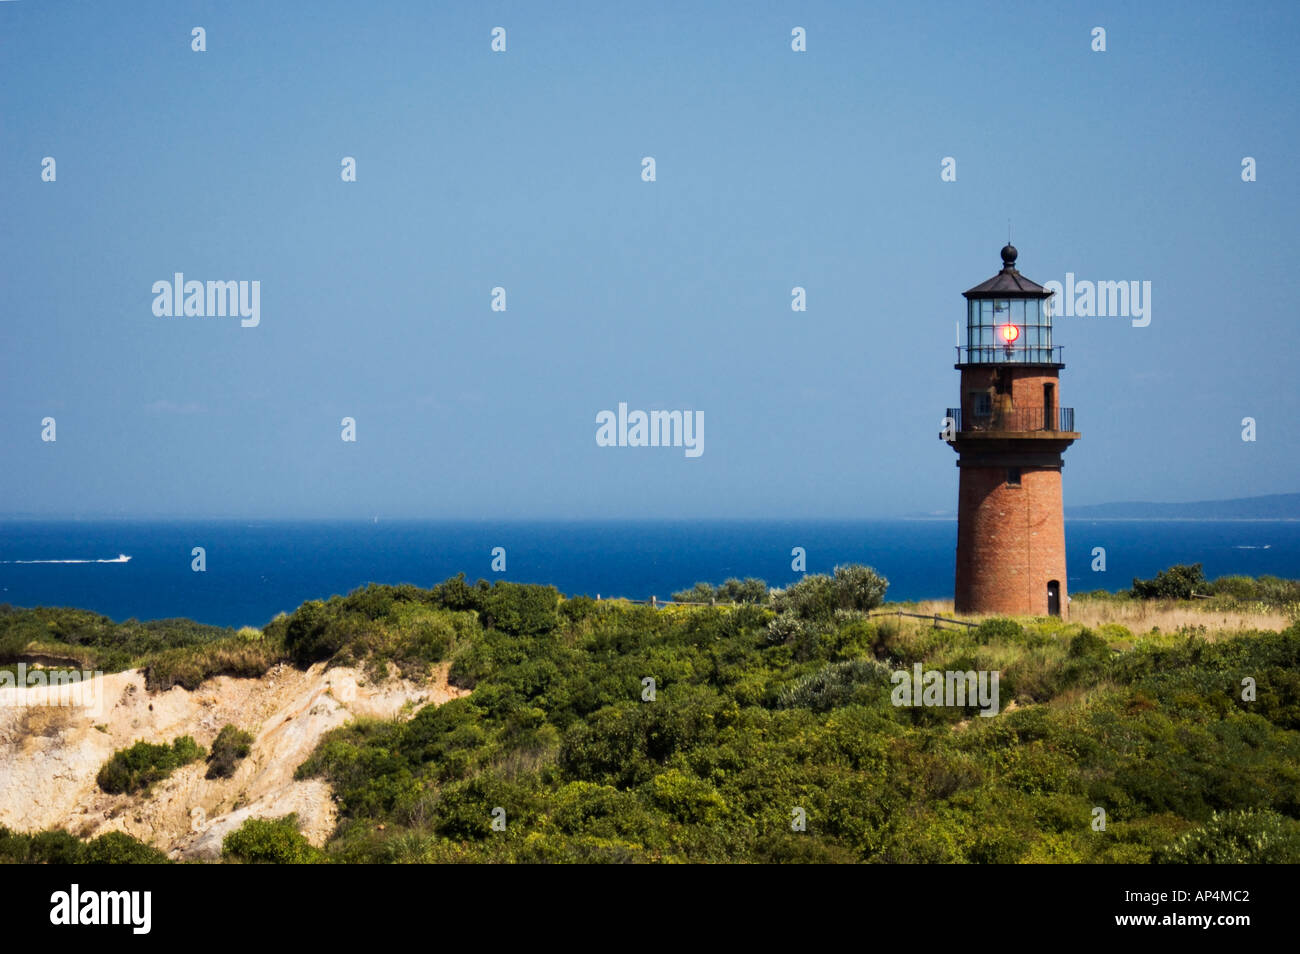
<point x="1009" y="434"/>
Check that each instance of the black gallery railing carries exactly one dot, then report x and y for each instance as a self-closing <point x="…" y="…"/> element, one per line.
<point x="1018" y="419"/>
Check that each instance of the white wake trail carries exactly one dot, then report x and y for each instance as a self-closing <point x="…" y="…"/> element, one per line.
<point x="120" y="558"/>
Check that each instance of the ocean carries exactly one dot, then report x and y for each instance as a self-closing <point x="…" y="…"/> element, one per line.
<point x="255" y="570"/>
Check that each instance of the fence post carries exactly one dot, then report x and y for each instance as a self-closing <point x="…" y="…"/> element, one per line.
<point x="653" y="602"/>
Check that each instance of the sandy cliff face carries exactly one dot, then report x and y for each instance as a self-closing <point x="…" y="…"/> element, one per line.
<point x="50" y="755"/>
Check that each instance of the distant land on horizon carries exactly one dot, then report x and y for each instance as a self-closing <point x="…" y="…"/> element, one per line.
<point x="1267" y="507"/>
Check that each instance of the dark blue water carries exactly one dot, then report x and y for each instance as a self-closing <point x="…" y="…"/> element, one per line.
<point x="255" y="570"/>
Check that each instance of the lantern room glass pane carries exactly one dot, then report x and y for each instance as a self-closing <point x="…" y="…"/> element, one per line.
<point x="985" y="319"/>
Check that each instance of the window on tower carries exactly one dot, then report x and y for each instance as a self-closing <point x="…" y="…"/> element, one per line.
<point x="1013" y="476"/>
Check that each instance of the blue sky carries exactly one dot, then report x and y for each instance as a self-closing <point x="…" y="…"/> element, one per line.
<point x="523" y="170"/>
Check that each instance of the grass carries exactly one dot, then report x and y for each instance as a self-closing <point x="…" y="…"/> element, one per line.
<point x="1139" y="616"/>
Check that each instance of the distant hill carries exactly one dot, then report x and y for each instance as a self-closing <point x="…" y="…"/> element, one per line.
<point x="1271" y="507"/>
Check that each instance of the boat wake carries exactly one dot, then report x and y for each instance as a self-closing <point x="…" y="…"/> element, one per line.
<point x="120" y="558"/>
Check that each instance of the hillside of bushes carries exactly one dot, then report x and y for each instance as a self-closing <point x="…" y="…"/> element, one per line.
<point x="760" y="713"/>
<point x="761" y="729"/>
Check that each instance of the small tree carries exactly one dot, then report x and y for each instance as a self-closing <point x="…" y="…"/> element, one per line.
<point x="1178" y="582"/>
<point x="859" y="587"/>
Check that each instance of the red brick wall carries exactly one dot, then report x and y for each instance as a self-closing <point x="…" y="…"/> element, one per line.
<point x="1010" y="541"/>
<point x="1026" y="385"/>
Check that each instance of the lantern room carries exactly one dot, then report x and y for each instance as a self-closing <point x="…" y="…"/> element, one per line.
<point x="1008" y="320"/>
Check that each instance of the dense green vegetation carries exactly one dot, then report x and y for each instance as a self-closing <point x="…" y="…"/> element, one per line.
<point x="607" y="731"/>
<point x="171" y="651"/>
<point x="61" y="848"/>
<point x="758" y="711"/>
<point x="137" y="768"/>
<point x="230" y="745"/>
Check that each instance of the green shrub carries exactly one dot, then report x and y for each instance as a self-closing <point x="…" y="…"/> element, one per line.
<point x="137" y="768"/>
<point x="699" y="593"/>
<point x="1178" y="582"/>
<point x="1237" y="838"/>
<point x="269" y="841"/>
<point x="838" y="684"/>
<point x="748" y="590"/>
<point x="859" y="588"/>
<point x="812" y="598"/>
<point x="1088" y="644"/>
<point x="1115" y="633"/>
<point x="309" y="635"/>
<point x="686" y="798"/>
<point x="58" y="847"/>
<point x="54" y="848"/>
<point x="230" y="745"/>
<point x="521" y="609"/>
<point x="786" y="628"/>
<point x="456" y="594"/>
<point x="817" y="596"/>
<point x="998" y="630"/>
<point x="119" y="848"/>
<point x="577" y="608"/>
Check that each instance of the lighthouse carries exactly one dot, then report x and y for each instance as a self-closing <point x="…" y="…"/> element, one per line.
<point x="1009" y="432"/>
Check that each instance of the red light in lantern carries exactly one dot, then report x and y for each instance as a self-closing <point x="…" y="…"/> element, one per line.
<point x="1010" y="333"/>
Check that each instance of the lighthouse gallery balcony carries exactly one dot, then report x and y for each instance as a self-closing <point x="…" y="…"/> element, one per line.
<point x="1018" y="420"/>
